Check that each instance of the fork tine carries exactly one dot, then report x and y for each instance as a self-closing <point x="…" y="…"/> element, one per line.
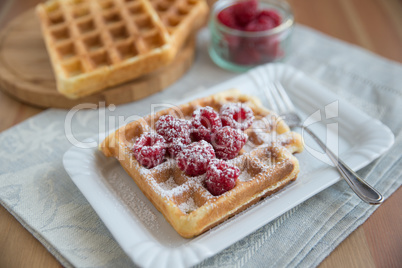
<point x="278" y="98"/>
<point x="261" y="81"/>
<point x="268" y="94"/>
<point x="285" y="97"/>
<point x="270" y="97"/>
<point x="275" y="93"/>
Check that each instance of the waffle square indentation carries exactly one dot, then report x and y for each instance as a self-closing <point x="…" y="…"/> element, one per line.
<point x="86" y="26"/>
<point x="173" y="21"/>
<point x="73" y="68"/>
<point x="119" y="33"/>
<point x="144" y="24"/>
<point x="66" y="51"/>
<point x="93" y="42"/>
<point x="101" y="59"/>
<point x="162" y="6"/>
<point x="136" y="9"/>
<point x="105" y="5"/>
<point x="60" y="34"/>
<point x="127" y="50"/>
<point x="56" y="18"/>
<point x="80" y="11"/>
<point x="154" y="40"/>
<point x="112" y="17"/>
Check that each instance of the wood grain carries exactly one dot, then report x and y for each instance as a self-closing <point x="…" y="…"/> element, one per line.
<point x="19" y="248"/>
<point x="377" y="243"/>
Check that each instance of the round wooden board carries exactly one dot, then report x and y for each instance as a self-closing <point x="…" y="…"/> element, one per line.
<point x="27" y="75"/>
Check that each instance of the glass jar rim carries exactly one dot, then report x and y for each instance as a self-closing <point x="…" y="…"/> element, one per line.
<point x="286" y="24"/>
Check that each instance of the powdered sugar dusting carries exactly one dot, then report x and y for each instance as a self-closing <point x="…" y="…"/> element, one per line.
<point x="132" y="201"/>
<point x="168" y="185"/>
<point x="172" y="128"/>
<point x="274" y="139"/>
<point x="236" y="115"/>
<point x="194" y="159"/>
<point x="177" y="189"/>
<point x="264" y="124"/>
<point x="188" y="206"/>
<point x="169" y="189"/>
<point x="244" y="176"/>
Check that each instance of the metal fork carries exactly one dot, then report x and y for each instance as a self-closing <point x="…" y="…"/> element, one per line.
<point x="281" y="103"/>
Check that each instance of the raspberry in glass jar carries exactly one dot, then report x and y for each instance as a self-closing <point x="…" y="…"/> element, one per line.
<point x="248" y="33"/>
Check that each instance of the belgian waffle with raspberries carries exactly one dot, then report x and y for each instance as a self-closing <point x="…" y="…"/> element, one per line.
<point x="198" y="179"/>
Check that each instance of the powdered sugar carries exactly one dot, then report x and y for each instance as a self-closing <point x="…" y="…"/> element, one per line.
<point x="172" y="128"/>
<point x="194" y="159"/>
<point x="228" y="142"/>
<point x="188" y="206"/>
<point x="149" y="149"/>
<point x="132" y="200"/>
<point x="205" y="122"/>
<point x="245" y="176"/>
<point x="175" y="189"/>
<point x="170" y="189"/>
<point x="221" y="177"/>
<point x="236" y="115"/>
<point x="274" y="139"/>
<point x="168" y="185"/>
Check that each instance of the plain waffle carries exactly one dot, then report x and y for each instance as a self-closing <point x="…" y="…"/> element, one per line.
<point x="266" y="164"/>
<point x="181" y="17"/>
<point x="96" y="44"/>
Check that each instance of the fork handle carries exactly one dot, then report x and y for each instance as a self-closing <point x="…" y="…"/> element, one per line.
<point x="363" y="190"/>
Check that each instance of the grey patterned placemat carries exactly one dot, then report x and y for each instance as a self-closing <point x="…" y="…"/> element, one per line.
<point x="35" y="188"/>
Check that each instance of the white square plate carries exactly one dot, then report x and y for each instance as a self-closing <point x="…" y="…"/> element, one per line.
<point x="150" y="241"/>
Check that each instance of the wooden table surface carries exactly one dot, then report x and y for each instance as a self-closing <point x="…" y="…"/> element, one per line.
<point x="375" y="25"/>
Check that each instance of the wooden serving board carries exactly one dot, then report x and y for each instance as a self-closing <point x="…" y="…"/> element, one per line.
<point x="27" y="75"/>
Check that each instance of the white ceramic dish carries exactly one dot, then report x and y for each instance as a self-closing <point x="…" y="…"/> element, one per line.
<point x="150" y="241"/>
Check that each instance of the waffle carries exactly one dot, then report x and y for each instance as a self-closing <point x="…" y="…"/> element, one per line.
<point x="181" y="17"/>
<point x="266" y="164"/>
<point x="97" y="44"/>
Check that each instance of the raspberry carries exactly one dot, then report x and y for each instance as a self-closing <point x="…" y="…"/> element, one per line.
<point x="228" y="142"/>
<point x="265" y="20"/>
<point x="221" y="177"/>
<point x="245" y="54"/>
<point x="236" y="115"/>
<point x="227" y="18"/>
<point x="149" y="149"/>
<point x="245" y="16"/>
<point x="174" y="148"/>
<point x="194" y="159"/>
<point x="271" y="14"/>
<point x="175" y="131"/>
<point x="172" y="129"/>
<point x="205" y="122"/>
<point x="260" y="24"/>
<point x="245" y="11"/>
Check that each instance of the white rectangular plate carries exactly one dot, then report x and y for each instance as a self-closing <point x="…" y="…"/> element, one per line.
<point x="150" y="241"/>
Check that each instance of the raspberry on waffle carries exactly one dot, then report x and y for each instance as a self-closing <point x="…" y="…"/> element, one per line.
<point x="97" y="44"/>
<point x="194" y="203"/>
<point x="205" y="122"/>
<point x="221" y="177"/>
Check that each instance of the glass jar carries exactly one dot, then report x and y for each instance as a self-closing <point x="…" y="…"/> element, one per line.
<point x="239" y="50"/>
